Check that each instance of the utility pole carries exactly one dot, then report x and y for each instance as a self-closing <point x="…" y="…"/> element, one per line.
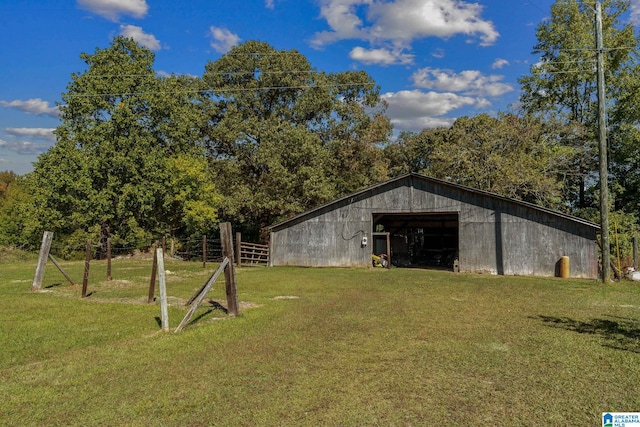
<point x="602" y="139"/>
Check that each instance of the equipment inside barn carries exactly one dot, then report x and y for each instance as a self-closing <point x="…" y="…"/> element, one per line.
<point x="418" y="240"/>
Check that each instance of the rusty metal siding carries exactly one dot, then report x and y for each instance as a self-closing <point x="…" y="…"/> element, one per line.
<point x="496" y="235"/>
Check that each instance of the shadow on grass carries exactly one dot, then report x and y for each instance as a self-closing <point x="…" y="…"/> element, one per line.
<point x="54" y="285"/>
<point x="213" y="306"/>
<point x="620" y="334"/>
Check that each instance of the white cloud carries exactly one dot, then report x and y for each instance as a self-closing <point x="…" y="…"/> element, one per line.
<point x="223" y="39"/>
<point x="499" y="63"/>
<point x="147" y="40"/>
<point x="113" y="9"/>
<point x="24" y="147"/>
<point x="380" y="56"/>
<point x="33" y="106"/>
<point x="45" y="133"/>
<point x="402" y="21"/>
<point x="635" y="12"/>
<point x="468" y="82"/>
<point x="269" y="4"/>
<point x="414" y="110"/>
<point x="416" y="103"/>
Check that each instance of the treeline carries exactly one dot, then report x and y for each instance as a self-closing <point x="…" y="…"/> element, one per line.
<point x="262" y="136"/>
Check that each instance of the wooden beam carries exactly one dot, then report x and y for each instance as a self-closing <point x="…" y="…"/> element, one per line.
<point x="202" y="294"/>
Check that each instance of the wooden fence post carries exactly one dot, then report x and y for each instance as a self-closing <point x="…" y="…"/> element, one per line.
<point x="164" y="311"/>
<point x="45" y="247"/>
<point x="85" y="280"/>
<point x="239" y="249"/>
<point x="226" y="238"/>
<point x="154" y="271"/>
<point x="635" y="252"/>
<point x="108" y="258"/>
<point x="164" y="245"/>
<point x="204" y="251"/>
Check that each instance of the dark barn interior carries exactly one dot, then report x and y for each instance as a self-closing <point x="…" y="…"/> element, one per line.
<point x="427" y="240"/>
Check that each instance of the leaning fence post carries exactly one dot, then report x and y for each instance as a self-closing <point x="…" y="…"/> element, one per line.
<point x="229" y="272"/>
<point x="45" y="247"/>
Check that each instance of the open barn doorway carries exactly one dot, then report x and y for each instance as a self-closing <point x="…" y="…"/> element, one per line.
<point x="426" y="240"/>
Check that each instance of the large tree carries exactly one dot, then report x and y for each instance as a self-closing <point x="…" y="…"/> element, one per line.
<point x="563" y="83"/>
<point x="517" y="157"/>
<point x="112" y="170"/>
<point x="284" y="137"/>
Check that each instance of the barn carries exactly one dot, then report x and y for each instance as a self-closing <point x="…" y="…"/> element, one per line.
<point x="418" y="221"/>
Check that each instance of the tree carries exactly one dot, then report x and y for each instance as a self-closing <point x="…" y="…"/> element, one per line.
<point x="111" y="171"/>
<point x="517" y="157"/>
<point x="284" y="137"/>
<point x="563" y="83"/>
<point x="7" y="178"/>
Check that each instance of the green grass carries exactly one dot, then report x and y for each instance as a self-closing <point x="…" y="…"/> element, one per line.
<point x="311" y="347"/>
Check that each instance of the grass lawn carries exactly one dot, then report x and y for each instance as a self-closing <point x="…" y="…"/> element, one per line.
<point x="347" y="347"/>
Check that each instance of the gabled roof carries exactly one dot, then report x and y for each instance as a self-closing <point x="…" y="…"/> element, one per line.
<point x="443" y="183"/>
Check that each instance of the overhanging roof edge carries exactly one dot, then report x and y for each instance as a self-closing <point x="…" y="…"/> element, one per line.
<point x="441" y="182"/>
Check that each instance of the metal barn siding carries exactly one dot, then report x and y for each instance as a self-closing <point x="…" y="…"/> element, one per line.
<point x="495" y="234"/>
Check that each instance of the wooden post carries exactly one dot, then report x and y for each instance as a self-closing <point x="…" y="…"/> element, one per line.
<point x="45" y="247"/>
<point x="154" y="271"/>
<point x="202" y="293"/>
<point x="53" y="260"/>
<point x="164" y="245"/>
<point x="229" y="273"/>
<point x="635" y="251"/>
<point x="238" y="249"/>
<point x="108" y="258"/>
<point x="204" y="251"/>
<point x="85" y="280"/>
<point x="164" y="311"/>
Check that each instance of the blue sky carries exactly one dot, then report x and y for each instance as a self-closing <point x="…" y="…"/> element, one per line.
<point x="435" y="60"/>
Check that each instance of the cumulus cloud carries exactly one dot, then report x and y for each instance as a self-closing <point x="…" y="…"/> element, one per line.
<point x="45" y="133"/>
<point x="402" y="21"/>
<point x="416" y="103"/>
<point x="499" y="63"/>
<point x="147" y="40"/>
<point x="380" y="56"/>
<point x="35" y="106"/>
<point x="113" y="9"/>
<point x="222" y="39"/>
<point x="468" y="82"/>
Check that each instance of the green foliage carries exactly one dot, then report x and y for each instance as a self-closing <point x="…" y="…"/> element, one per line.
<point x="563" y="85"/>
<point x="517" y="157"/>
<point x="284" y="137"/>
<point x="125" y="134"/>
<point x="6" y="179"/>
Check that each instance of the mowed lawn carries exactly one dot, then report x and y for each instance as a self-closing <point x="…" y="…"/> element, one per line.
<point x="338" y="347"/>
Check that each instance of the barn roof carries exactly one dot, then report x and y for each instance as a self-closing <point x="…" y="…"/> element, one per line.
<point x="418" y="176"/>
